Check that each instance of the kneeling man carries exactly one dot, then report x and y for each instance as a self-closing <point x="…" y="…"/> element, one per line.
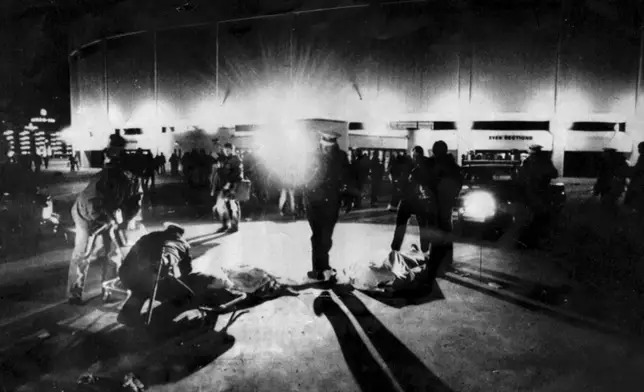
<point x="157" y="262"/>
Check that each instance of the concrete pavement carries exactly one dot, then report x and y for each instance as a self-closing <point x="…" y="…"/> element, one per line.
<point x="462" y="340"/>
<point x="491" y="327"/>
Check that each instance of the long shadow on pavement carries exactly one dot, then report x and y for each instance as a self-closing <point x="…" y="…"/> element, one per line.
<point x="537" y="306"/>
<point x="406" y="298"/>
<point x="406" y="370"/>
<point x="164" y="355"/>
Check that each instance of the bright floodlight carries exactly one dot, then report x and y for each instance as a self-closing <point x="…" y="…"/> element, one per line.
<point x="479" y="205"/>
<point x="285" y="151"/>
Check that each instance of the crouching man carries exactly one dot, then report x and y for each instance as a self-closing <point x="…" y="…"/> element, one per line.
<point x="153" y="269"/>
<point x="111" y="200"/>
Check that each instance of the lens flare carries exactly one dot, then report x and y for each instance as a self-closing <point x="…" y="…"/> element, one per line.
<point x="285" y="150"/>
<point x="479" y="205"/>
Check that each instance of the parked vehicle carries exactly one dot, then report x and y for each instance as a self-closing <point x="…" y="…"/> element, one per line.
<point x="488" y="198"/>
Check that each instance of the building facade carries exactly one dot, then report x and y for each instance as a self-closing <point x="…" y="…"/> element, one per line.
<point x="495" y="77"/>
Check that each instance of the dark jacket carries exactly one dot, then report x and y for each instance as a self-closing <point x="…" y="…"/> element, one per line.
<point x="376" y="168"/>
<point x="400" y="167"/>
<point x="537" y="171"/>
<point x="612" y="175"/>
<point x="421" y="182"/>
<point x="331" y="175"/>
<point x="111" y="189"/>
<point x="145" y="257"/>
<point x="444" y="167"/>
<point x="231" y="169"/>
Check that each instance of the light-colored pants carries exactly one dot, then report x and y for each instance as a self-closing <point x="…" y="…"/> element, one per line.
<point x="79" y="265"/>
<point x="291" y="198"/>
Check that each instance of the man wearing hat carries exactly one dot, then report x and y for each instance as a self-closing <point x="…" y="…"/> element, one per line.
<point x="534" y="177"/>
<point x="112" y="199"/>
<point x="323" y="195"/>
<point x="153" y="268"/>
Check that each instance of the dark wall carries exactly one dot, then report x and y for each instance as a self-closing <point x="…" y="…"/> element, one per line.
<point x="91" y="77"/>
<point x="599" y="61"/>
<point x="254" y="61"/>
<point x="130" y="75"/>
<point x="417" y="49"/>
<point x="187" y="67"/>
<point x="394" y="59"/>
<point x="514" y="49"/>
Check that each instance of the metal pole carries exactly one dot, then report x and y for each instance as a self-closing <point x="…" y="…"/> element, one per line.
<point x="105" y="79"/>
<point x="72" y="87"/>
<point x="639" y="69"/>
<point x="458" y="74"/>
<point x="471" y="70"/>
<point x="558" y="57"/>
<point x="156" y="74"/>
<point x="217" y="63"/>
<point x="291" y="49"/>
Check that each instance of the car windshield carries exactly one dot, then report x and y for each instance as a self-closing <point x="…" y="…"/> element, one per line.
<point x="487" y="173"/>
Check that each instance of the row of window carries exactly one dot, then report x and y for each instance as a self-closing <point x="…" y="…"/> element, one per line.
<point x="585" y="126"/>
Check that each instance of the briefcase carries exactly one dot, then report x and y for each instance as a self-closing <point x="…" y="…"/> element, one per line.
<point x="242" y="192"/>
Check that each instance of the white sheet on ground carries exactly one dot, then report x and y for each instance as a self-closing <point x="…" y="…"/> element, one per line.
<point x="396" y="270"/>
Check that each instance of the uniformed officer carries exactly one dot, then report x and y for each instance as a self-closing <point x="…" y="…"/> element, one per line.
<point x="323" y="194"/>
<point x="230" y="175"/>
<point x="111" y="199"/>
<point x="158" y="259"/>
<point x="534" y="177"/>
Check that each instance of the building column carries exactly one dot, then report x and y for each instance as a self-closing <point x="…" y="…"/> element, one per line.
<point x="558" y="130"/>
<point x="411" y="139"/>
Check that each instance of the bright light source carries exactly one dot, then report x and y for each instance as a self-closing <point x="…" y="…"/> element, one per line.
<point x="285" y="150"/>
<point x="479" y="205"/>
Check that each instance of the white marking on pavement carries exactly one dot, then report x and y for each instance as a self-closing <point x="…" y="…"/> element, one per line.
<point x="30" y="313"/>
<point x="365" y="339"/>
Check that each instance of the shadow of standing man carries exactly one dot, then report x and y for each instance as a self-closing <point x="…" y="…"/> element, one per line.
<point x="376" y="358"/>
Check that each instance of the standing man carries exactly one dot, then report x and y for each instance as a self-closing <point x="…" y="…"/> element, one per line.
<point x="230" y="175"/>
<point x="377" y="170"/>
<point x="361" y="172"/>
<point x="447" y="186"/>
<point x="323" y="195"/>
<point x="611" y="179"/>
<point x="399" y="169"/>
<point x="174" y="164"/>
<point x="531" y="220"/>
<point x="418" y="199"/>
<point x="111" y="199"/>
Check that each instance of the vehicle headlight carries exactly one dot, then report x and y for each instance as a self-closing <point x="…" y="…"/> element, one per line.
<point x="479" y="205"/>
